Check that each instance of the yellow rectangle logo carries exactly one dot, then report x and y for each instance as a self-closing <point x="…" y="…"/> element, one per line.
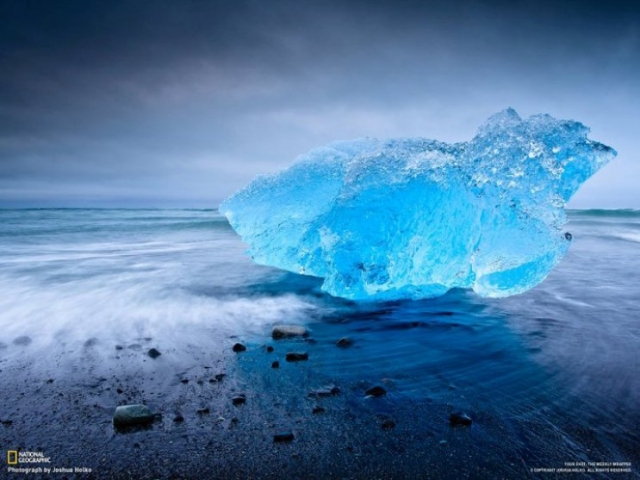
<point x="12" y="457"/>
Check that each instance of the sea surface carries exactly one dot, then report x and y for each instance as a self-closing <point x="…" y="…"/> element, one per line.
<point x="549" y="376"/>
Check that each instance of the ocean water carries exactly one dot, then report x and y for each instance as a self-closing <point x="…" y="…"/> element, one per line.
<point x="549" y="376"/>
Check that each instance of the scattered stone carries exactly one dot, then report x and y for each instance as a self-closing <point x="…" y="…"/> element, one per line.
<point x="442" y="442"/>
<point x="22" y="340"/>
<point x="288" y="331"/>
<point x="283" y="437"/>
<point x="329" y="391"/>
<point x="200" y="382"/>
<point x="203" y="411"/>
<point x="238" y="347"/>
<point x="153" y="353"/>
<point x="6" y="423"/>
<point x="460" y="419"/>
<point x="318" y="409"/>
<point x="376" y="391"/>
<point x="184" y="381"/>
<point x="178" y="418"/>
<point x="388" y="424"/>
<point x="297" y="356"/>
<point x="50" y="381"/>
<point x="238" y="400"/>
<point x="132" y="414"/>
<point x="120" y="391"/>
<point x="344" y="342"/>
<point x="220" y="376"/>
<point x="119" y="347"/>
<point x="269" y="349"/>
<point x="275" y="364"/>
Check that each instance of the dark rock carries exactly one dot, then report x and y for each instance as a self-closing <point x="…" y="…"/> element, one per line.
<point x="203" y="411"/>
<point x="119" y="347"/>
<point x="6" y="423"/>
<point x="288" y="331"/>
<point x="178" y="419"/>
<point x="387" y="424"/>
<point x="376" y="391"/>
<point x="269" y="348"/>
<point x="119" y="391"/>
<point x="275" y="364"/>
<point x="200" y="382"/>
<point x="22" y="340"/>
<point x="50" y="380"/>
<point x="153" y="353"/>
<point x="344" y="342"/>
<point x="238" y="347"/>
<point x="460" y="419"/>
<point x="184" y="381"/>
<point x="132" y="414"/>
<point x="318" y="409"/>
<point x="329" y="391"/>
<point x="297" y="356"/>
<point x="283" y="437"/>
<point x="220" y="376"/>
<point x="238" y="400"/>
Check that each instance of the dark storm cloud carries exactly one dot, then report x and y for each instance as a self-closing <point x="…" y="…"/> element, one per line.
<point x="181" y="102"/>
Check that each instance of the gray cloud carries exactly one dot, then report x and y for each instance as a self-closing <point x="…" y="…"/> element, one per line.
<point x="181" y="103"/>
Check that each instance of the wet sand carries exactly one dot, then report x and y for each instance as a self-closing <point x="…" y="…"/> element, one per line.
<point x="61" y="402"/>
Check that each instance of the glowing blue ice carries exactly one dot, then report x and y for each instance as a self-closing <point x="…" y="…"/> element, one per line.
<point x="412" y="218"/>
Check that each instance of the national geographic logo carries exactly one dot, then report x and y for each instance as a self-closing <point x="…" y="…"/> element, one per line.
<point x="15" y="457"/>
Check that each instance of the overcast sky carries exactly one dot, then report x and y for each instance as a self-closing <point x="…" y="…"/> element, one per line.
<point x="180" y="103"/>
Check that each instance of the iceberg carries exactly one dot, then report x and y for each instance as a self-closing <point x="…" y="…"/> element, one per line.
<point x="413" y="218"/>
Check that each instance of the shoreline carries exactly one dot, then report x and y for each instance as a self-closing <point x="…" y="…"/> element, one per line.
<point x="201" y="432"/>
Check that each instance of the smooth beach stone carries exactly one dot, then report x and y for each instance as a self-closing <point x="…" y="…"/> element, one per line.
<point x="269" y="349"/>
<point x="288" y="331"/>
<point x="153" y="353"/>
<point x="387" y="424"/>
<point x="344" y="342"/>
<point x="376" y="391"/>
<point x="296" y="356"/>
<point x="460" y="419"/>
<point x="283" y="437"/>
<point x="275" y="364"/>
<point x="328" y="391"/>
<point x="238" y="347"/>
<point x="238" y="400"/>
<point x="132" y="414"/>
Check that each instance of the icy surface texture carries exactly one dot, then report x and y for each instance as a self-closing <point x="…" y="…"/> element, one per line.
<point x="412" y="218"/>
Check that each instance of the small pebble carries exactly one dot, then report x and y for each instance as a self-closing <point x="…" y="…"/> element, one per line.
<point x="318" y="409"/>
<point x="283" y="437"/>
<point x="376" y="391"/>
<point x="238" y="347"/>
<point x="388" y="424"/>
<point x="344" y="342"/>
<point x="275" y="364"/>
<point x="460" y="418"/>
<point x="296" y="356"/>
<point x="178" y="418"/>
<point x="238" y="400"/>
<point x="203" y="411"/>
<point x="153" y="353"/>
